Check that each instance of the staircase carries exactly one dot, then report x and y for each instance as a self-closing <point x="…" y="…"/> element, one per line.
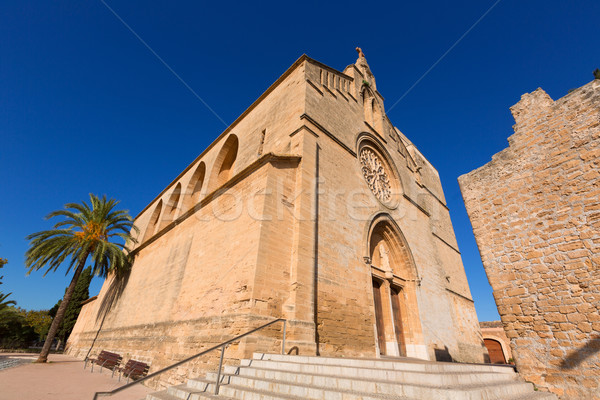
<point x="272" y="376"/>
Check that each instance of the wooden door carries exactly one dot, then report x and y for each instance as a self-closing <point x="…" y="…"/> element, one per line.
<point x="379" y="316"/>
<point x="494" y="349"/>
<point x="398" y="321"/>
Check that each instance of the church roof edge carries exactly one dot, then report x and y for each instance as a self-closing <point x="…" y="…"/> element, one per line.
<point x="227" y="130"/>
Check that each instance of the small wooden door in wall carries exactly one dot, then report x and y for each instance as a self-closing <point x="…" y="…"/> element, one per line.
<point x="379" y="316"/>
<point x="495" y="351"/>
<point x="396" y="298"/>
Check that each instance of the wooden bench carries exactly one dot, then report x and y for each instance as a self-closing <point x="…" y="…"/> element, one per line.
<point x="105" y="359"/>
<point x="133" y="369"/>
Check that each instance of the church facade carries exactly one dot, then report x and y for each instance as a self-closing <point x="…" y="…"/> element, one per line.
<point x="311" y="207"/>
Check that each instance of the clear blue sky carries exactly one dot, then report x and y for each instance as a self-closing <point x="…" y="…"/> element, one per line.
<point x="85" y="107"/>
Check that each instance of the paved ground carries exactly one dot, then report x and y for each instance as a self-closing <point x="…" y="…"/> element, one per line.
<point x="63" y="378"/>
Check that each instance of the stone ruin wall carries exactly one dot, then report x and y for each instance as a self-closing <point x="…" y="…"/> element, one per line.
<point x="535" y="212"/>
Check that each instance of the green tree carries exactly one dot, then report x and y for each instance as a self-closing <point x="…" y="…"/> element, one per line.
<point x="15" y="331"/>
<point x="54" y="309"/>
<point x="597" y="73"/>
<point x="80" y="294"/>
<point x="39" y="321"/>
<point x="84" y="231"/>
<point x="3" y="297"/>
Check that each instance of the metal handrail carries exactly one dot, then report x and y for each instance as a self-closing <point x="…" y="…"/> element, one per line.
<point x="223" y="345"/>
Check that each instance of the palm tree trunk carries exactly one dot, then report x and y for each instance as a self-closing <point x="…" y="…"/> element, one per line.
<point x="60" y="313"/>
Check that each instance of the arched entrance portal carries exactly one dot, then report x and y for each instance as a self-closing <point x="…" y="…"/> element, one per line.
<point x="395" y="281"/>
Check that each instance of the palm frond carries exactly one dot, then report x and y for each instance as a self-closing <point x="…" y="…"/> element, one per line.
<point x="84" y="229"/>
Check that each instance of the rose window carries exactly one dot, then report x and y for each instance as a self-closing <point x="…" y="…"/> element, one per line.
<point x="375" y="174"/>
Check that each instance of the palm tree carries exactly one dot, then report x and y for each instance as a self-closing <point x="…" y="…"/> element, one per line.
<point x="3" y="297"/>
<point x="84" y="231"/>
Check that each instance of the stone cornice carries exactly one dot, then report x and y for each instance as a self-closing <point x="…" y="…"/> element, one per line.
<point x="329" y="134"/>
<point x="435" y="197"/>
<point x="445" y="242"/>
<point x="460" y="295"/>
<point x="314" y="87"/>
<point x="414" y="203"/>
<point x="375" y="132"/>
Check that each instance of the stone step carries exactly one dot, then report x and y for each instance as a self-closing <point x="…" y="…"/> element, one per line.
<point x="402" y="364"/>
<point x="534" y="396"/>
<point x="243" y="393"/>
<point x="269" y="389"/>
<point x="323" y="387"/>
<point x="184" y="395"/>
<point x="187" y="392"/>
<point x="162" y="395"/>
<point x="406" y="376"/>
<point x="282" y="377"/>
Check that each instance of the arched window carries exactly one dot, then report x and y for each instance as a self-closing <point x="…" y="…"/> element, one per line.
<point x="151" y="228"/>
<point x="171" y="207"/>
<point x="193" y="191"/>
<point x="221" y="171"/>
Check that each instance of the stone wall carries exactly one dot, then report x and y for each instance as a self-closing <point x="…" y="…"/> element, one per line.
<point x="191" y="289"/>
<point x="535" y="212"/>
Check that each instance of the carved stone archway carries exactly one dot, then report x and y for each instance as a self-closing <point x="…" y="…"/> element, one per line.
<point x="395" y="282"/>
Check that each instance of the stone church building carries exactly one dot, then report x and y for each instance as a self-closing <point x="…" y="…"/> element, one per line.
<point x="311" y="207"/>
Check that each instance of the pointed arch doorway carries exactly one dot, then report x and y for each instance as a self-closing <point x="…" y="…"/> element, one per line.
<point x="394" y="281"/>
